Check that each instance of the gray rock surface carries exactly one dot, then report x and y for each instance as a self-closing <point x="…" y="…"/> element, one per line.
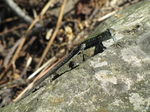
<point x="117" y="80"/>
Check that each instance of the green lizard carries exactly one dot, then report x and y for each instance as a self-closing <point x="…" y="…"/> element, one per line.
<point x="94" y="40"/>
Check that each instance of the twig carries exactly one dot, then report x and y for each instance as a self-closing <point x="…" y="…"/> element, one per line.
<point x="39" y="69"/>
<point x="26" y="67"/>
<point x="12" y="29"/>
<point x="39" y="16"/>
<point x="93" y="13"/>
<point x="106" y="16"/>
<point x="18" y="11"/>
<point x="31" y="85"/>
<point x="14" y="57"/>
<point x="24" y="38"/>
<point x="6" y="60"/>
<point x="29" y="43"/>
<point x="54" y="34"/>
<point x="48" y="68"/>
<point x="9" y="19"/>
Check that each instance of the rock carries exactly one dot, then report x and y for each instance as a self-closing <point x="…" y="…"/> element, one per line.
<point x="117" y="80"/>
